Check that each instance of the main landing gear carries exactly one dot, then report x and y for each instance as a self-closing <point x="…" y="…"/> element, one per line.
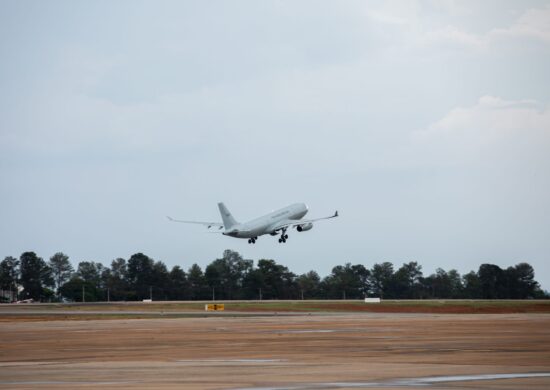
<point x="252" y="240"/>
<point x="284" y="236"/>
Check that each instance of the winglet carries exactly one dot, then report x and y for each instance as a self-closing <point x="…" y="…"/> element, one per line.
<point x="170" y="219"/>
<point x="336" y="213"/>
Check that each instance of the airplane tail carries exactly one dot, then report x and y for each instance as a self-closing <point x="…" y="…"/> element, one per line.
<point x="228" y="220"/>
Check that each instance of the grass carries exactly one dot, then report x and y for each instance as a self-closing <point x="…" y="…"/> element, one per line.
<point x="408" y="306"/>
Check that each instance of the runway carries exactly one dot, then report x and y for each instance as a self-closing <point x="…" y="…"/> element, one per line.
<point x="299" y="351"/>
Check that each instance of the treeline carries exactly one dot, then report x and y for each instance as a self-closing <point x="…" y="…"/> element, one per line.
<point x="232" y="277"/>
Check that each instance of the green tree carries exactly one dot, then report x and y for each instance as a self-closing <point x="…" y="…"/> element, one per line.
<point x="106" y="279"/>
<point x="407" y="281"/>
<point x="492" y="281"/>
<point x="9" y="275"/>
<point x="61" y="269"/>
<point x="160" y="281"/>
<point x="227" y="275"/>
<point x="140" y="275"/>
<point x="455" y="284"/>
<point x="380" y="280"/>
<point x="309" y="284"/>
<point x="146" y="277"/>
<point x="521" y="283"/>
<point x="36" y="276"/>
<point x="178" y="283"/>
<point x="90" y="272"/>
<point x="278" y="281"/>
<point x="216" y="277"/>
<point x="527" y="286"/>
<point x="347" y="282"/>
<point x="444" y="284"/>
<point x="79" y="290"/>
<point x="471" y="286"/>
<point x="254" y="284"/>
<point x="114" y="280"/>
<point x="197" y="284"/>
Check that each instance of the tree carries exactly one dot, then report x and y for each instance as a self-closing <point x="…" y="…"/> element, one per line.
<point x="79" y="290"/>
<point x="471" y="286"/>
<point x="439" y="284"/>
<point x="36" y="276"/>
<point x="347" y="281"/>
<point x="492" y="281"/>
<point x="226" y="275"/>
<point x="232" y="277"/>
<point x="90" y="272"/>
<point x="61" y="269"/>
<point x="114" y="280"/>
<point x="380" y="279"/>
<point x="528" y="287"/>
<point x="407" y="281"/>
<point x="160" y="281"/>
<point x="106" y="280"/>
<point x="147" y="277"/>
<point x="254" y="284"/>
<point x="178" y="283"/>
<point x="455" y="284"/>
<point x="140" y="275"/>
<point x="278" y="281"/>
<point x="309" y="284"/>
<point x="197" y="284"/>
<point x="521" y="283"/>
<point x="9" y="275"/>
<point x="216" y="277"/>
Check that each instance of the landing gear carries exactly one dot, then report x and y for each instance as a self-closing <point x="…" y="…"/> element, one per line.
<point x="284" y="236"/>
<point x="252" y="240"/>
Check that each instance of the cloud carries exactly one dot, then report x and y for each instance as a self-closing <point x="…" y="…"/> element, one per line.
<point x="496" y="115"/>
<point x="426" y="25"/>
<point x="493" y="127"/>
<point x="454" y="36"/>
<point x="533" y="24"/>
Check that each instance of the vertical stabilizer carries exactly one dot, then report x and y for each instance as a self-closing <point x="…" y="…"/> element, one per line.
<point x="228" y="220"/>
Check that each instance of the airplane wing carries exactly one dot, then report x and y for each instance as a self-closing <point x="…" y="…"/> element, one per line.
<point x="296" y="222"/>
<point x="207" y="224"/>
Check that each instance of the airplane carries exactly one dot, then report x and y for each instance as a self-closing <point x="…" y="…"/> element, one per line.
<point x="273" y="223"/>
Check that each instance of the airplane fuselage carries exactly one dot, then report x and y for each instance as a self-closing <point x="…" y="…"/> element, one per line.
<point x="266" y="223"/>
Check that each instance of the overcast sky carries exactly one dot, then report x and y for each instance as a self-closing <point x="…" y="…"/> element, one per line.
<point x="425" y="123"/>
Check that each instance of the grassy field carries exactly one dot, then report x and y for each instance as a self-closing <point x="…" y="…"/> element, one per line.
<point x="386" y="306"/>
<point x="396" y="306"/>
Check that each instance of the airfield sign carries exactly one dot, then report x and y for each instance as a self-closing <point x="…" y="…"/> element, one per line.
<point x="214" y="307"/>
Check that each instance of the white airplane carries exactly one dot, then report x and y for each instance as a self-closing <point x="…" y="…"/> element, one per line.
<point x="273" y="223"/>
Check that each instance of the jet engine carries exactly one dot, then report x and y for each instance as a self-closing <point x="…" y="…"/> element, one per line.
<point x="304" y="227"/>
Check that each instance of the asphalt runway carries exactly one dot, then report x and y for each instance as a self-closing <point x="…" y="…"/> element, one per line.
<point x="299" y="351"/>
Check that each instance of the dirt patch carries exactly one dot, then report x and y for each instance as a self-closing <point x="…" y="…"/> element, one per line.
<point x="296" y="351"/>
